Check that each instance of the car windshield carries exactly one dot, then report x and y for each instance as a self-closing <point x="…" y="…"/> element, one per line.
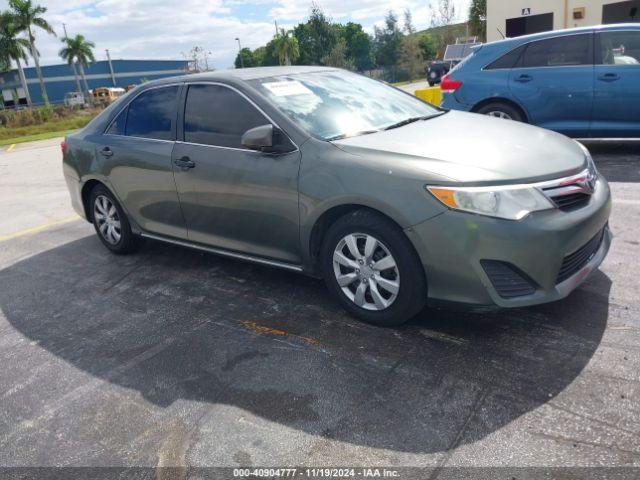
<point x="338" y="104"/>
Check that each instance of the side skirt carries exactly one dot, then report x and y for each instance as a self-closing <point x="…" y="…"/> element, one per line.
<point x="225" y="253"/>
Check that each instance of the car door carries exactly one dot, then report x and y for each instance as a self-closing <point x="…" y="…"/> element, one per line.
<point x="232" y="197"/>
<point x="553" y="81"/>
<point x="616" y="108"/>
<point x="136" y="154"/>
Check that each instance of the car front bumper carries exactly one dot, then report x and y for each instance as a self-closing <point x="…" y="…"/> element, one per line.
<point x="453" y="244"/>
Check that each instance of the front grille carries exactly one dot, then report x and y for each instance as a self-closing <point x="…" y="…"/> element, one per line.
<point x="571" y="201"/>
<point x="573" y="262"/>
<point x="508" y="281"/>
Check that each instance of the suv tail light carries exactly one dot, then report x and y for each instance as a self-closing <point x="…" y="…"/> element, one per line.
<point x="449" y="85"/>
<point x="63" y="146"/>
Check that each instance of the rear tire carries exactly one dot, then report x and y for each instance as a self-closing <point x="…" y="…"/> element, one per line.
<point x="369" y="264"/>
<point x="111" y="223"/>
<point x="501" y="110"/>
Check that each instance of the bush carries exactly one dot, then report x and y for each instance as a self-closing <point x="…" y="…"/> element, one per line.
<point x="34" y="116"/>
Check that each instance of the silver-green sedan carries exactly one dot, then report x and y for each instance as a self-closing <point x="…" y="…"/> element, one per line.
<point x="395" y="203"/>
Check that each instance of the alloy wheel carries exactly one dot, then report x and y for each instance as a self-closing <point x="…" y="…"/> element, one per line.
<point x="107" y="219"/>
<point x="366" y="271"/>
<point x="499" y="114"/>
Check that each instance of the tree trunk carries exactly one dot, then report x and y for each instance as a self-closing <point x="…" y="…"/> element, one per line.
<point x="23" y="80"/>
<point x="88" y="96"/>
<point x="75" y="75"/>
<point x="36" y="60"/>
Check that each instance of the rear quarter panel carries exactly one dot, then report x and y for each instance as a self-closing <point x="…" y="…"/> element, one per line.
<point x="478" y="84"/>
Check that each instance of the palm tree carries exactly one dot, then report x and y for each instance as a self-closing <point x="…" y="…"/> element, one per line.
<point x="80" y="50"/>
<point x="14" y="48"/>
<point x="286" y="47"/>
<point x="27" y="17"/>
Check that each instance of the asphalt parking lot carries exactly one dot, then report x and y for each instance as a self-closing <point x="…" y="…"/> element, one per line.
<point x="172" y="357"/>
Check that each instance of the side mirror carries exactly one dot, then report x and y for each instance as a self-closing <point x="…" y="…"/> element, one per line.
<point x="258" y="138"/>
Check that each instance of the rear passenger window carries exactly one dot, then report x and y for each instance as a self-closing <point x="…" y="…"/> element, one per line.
<point x="118" y="125"/>
<point x="507" y="61"/>
<point x="570" y="50"/>
<point x="219" y="116"/>
<point x="153" y="113"/>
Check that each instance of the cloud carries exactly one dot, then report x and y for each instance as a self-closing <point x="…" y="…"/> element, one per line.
<point x="149" y="29"/>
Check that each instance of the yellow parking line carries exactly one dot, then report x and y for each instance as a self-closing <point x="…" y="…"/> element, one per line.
<point x="39" y="228"/>
<point x="11" y="147"/>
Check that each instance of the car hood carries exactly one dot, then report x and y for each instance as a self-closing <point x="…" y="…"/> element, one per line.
<point x="471" y="148"/>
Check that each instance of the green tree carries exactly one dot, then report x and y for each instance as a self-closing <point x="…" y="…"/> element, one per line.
<point x="247" y="59"/>
<point x="478" y="19"/>
<point x="28" y="16"/>
<point x="80" y="51"/>
<point x="286" y="47"/>
<point x="316" y="37"/>
<point x="265" y="56"/>
<point x="411" y="59"/>
<point x="358" y="46"/>
<point x="428" y="46"/>
<point x="13" y="48"/>
<point x="338" y="56"/>
<point x="388" y="44"/>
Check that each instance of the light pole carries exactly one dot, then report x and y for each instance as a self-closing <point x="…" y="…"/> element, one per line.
<point x="240" y="53"/>
<point x="113" y="75"/>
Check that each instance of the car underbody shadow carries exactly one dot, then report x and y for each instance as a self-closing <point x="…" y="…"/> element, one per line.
<point x="173" y="324"/>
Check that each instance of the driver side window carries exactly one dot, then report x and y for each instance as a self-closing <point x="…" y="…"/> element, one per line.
<point x="218" y="116"/>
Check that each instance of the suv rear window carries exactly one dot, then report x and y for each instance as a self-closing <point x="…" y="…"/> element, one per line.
<point x="508" y="60"/>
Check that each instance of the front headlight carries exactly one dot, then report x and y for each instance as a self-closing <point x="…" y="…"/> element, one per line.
<point x="591" y="165"/>
<point x="511" y="202"/>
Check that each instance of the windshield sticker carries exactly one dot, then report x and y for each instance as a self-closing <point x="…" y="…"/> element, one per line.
<point x="287" y="88"/>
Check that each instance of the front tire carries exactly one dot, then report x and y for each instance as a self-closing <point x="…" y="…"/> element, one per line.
<point x="369" y="264"/>
<point x="111" y="223"/>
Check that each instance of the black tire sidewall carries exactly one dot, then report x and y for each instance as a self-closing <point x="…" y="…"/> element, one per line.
<point x="412" y="295"/>
<point x="128" y="241"/>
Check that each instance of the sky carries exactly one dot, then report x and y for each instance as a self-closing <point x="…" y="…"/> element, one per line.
<point x="169" y="29"/>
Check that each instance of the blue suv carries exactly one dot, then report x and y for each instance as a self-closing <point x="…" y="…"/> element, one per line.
<point x="584" y="82"/>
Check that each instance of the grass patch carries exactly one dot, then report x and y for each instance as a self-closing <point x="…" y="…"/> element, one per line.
<point x="46" y="130"/>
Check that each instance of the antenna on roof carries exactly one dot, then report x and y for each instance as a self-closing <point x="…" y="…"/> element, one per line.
<point x="501" y="34"/>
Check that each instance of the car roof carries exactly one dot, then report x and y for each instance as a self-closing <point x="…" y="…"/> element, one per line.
<point x="567" y="31"/>
<point x="242" y="74"/>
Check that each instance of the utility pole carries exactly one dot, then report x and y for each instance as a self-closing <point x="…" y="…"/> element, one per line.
<point x="64" y="27"/>
<point x="113" y="76"/>
<point x="240" y="53"/>
<point x="276" y="24"/>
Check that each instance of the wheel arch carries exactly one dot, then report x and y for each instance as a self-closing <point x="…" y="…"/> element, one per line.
<point x="87" y="188"/>
<point x="324" y="221"/>
<point x="504" y="100"/>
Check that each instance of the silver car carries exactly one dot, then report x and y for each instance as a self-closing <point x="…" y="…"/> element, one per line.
<point x="395" y="203"/>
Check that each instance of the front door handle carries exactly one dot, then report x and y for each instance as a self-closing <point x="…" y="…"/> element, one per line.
<point x="609" y="77"/>
<point x="106" y="152"/>
<point x="523" y="78"/>
<point x="184" y="163"/>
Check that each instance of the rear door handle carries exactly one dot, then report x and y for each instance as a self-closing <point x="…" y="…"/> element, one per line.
<point x="609" y="77"/>
<point x="523" y="78"/>
<point x="184" y="163"/>
<point x="106" y="152"/>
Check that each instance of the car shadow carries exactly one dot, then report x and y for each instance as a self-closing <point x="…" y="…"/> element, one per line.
<point x="173" y="324"/>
